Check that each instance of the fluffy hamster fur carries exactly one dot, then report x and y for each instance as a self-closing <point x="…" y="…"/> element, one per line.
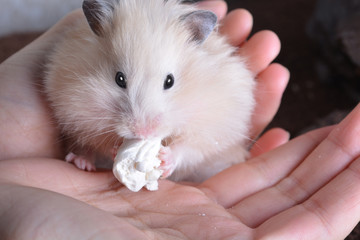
<point x="203" y="118"/>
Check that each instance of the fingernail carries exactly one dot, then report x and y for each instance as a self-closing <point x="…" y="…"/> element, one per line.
<point x="209" y="4"/>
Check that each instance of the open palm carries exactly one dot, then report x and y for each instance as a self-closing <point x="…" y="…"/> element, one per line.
<point x="305" y="189"/>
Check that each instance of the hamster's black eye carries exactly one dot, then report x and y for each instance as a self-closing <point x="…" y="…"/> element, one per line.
<point x="120" y="79"/>
<point x="169" y="81"/>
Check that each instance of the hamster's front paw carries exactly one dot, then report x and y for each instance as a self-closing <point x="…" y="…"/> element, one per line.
<point x="167" y="163"/>
<point x="80" y="162"/>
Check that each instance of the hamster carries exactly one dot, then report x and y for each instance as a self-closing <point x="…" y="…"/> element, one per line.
<point x="151" y="69"/>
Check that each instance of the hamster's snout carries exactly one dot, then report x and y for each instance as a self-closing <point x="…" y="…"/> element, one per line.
<point x="148" y="128"/>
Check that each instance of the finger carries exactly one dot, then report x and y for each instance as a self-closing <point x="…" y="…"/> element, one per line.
<point x="271" y="84"/>
<point x="326" y="161"/>
<point x="219" y="7"/>
<point x="330" y="214"/>
<point x="237" y="26"/>
<point x="270" y="140"/>
<point x="55" y="175"/>
<point x="260" y="50"/>
<point x="242" y="180"/>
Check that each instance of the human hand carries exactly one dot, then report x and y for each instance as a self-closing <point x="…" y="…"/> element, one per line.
<point x="308" y="188"/>
<point x="272" y="78"/>
<point x="26" y="121"/>
<point x="84" y="205"/>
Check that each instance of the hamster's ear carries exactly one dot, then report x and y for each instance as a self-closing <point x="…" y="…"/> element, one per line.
<point x="201" y="23"/>
<point x="99" y="13"/>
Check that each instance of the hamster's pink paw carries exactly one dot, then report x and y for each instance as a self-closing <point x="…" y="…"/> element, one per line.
<point x="80" y="162"/>
<point x="167" y="163"/>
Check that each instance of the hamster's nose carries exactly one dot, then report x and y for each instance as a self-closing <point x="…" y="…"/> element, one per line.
<point x="147" y="129"/>
<point x="145" y="132"/>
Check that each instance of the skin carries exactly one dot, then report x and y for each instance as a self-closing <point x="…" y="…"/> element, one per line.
<point x="312" y="183"/>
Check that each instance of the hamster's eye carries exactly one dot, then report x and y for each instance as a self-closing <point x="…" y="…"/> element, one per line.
<point x="169" y="81"/>
<point x="120" y="79"/>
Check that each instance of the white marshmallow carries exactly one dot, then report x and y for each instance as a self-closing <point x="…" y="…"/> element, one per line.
<point x="137" y="164"/>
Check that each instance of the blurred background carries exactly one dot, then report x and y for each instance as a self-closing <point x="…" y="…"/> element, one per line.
<point x="32" y="15"/>
<point x="320" y="46"/>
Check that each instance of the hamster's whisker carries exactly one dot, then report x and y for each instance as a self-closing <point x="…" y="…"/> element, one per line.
<point x="96" y="134"/>
<point x="93" y="119"/>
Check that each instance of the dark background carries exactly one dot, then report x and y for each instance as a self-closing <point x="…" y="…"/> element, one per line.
<point x="311" y="99"/>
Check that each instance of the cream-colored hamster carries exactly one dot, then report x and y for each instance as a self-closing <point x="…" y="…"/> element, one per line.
<point x="150" y="69"/>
